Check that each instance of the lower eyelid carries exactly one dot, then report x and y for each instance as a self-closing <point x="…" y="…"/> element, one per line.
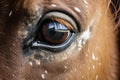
<point x="46" y="56"/>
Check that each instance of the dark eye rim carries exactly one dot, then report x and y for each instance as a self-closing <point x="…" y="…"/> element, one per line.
<point x="53" y="48"/>
<point x="57" y="48"/>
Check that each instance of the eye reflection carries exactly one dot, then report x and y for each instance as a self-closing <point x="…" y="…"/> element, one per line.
<point x="53" y="33"/>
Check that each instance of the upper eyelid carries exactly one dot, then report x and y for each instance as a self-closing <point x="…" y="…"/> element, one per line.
<point x="32" y="20"/>
<point x="57" y="16"/>
<point x="70" y="11"/>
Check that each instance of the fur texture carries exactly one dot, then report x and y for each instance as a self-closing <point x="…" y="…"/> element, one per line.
<point x="99" y="58"/>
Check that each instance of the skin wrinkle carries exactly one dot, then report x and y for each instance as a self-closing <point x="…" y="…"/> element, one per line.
<point x="100" y="63"/>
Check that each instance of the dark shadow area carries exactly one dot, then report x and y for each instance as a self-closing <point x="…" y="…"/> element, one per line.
<point x="115" y="9"/>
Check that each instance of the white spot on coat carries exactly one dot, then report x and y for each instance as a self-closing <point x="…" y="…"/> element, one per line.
<point x="37" y="62"/>
<point x="37" y="8"/>
<point x="30" y="63"/>
<point x="75" y="70"/>
<point x="43" y="76"/>
<point x="65" y="67"/>
<point x="83" y="38"/>
<point x="86" y="54"/>
<point x="10" y="13"/>
<point x="93" y="66"/>
<point x="77" y="9"/>
<point x="46" y="71"/>
<point x="93" y="56"/>
<point x="85" y="1"/>
<point x="97" y="77"/>
<point x="53" y="5"/>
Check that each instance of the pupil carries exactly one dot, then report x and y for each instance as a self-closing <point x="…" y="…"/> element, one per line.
<point x="54" y="33"/>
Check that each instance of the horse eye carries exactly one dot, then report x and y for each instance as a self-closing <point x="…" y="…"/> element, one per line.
<point x="55" y="32"/>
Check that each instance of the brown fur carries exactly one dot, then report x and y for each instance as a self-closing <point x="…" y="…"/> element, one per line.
<point x="13" y="66"/>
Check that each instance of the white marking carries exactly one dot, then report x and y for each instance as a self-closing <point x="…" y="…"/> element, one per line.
<point x="80" y="47"/>
<point x="93" y="66"/>
<point x="77" y="9"/>
<point x="97" y="77"/>
<point x="86" y="54"/>
<point x="93" y="56"/>
<point x="85" y="1"/>
<point x="75" y="70"/>
<point x="83" y="38"/>
<point x="43" y="76"/>
<point x="37" y="8"/>
<point x="10" y="13"/>
<point x="29" y="24"/>
<point x="86" y="34"/>
<point x="53" y="5"/>
<point x="46" y="71"/>
<point x="84" y="42"/>
<point x="37" y="62"/>
<point x="30" y="63"/>
<point x="65" y="67"/>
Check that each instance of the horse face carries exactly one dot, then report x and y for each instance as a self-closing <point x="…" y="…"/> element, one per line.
<point x="57" y="40"/>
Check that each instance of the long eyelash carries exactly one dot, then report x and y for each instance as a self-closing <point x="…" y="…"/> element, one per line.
<point x="64" y="22"/>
